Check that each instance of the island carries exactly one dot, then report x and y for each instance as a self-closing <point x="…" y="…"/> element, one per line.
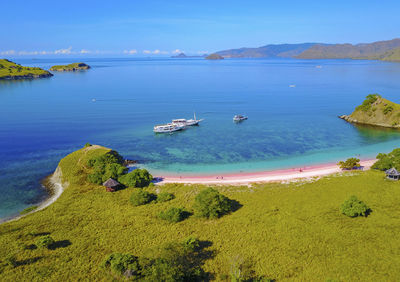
<point x="376" y="111"/>
<point x="214" y="56"/>
<point x="10" y="71"/>
<point x="183" y="56"/>
<point x="70" y="67"/>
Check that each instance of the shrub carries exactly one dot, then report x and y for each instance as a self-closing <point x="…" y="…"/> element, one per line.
<point x="192" y="243"/>
<point x="173" y="214"/>
<point x="165" y="197"/>
<point x="370" y="99"/>
<point x="136" y="178"/>
<point x="354" y="207"/>
<point x="45" y="241"/>
<point x="87" y="145"/>
<point x="106" y="166"/>
<point x="211" y="204"/>
<point x="349" y="163"/>
<point x="122" y="263"/>
<point x="140" y="197"/>
<point x="387" y="109"/>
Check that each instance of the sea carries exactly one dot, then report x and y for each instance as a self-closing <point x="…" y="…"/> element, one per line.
<point x="292" y="108"/>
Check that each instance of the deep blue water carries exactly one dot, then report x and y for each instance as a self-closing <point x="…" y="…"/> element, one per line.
<point x="43" y="120"/>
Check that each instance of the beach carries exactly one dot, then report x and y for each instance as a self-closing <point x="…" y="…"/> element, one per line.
<point x="266" y="176"/>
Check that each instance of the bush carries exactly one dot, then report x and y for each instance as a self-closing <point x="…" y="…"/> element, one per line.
<point x="211" y="204"/>
<point x="387" y="109"/>
<point x="192" y="243"/>
<point x="122" y="264"/>
<point x="106" y="166"/>
<point x="386" y="161"/>
<point x="366" y="105"/>
<point x="354" y="207"/>
<point x="165" y="197"/>
<point x="173" y="214"/>
<point x="140" y="197"/>
<point x="45" y="242"/>
<point x="350" y="163"/>
<point x="87" y="145"/>
<point x="136" y="178"/>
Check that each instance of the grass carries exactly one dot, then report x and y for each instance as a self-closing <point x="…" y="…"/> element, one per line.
<point x="11" y="70"/>
<point x="283" y="231"/>
<point x="28" y="210"/>
<point x="70" y="67"/>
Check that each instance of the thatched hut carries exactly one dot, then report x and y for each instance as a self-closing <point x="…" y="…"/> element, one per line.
<point x="111" y="185"/>
<point x="392" y="174"/>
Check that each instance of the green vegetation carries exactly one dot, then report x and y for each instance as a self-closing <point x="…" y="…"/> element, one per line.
<point x="11" y="70"/>
<point x="377" y="111"/>
<point x="70" y="67"/>
<point x="45" y="241"/>
<point x="353" y="207"/>
<point x="136" y="178"/>
<point x="211" y="204"/>
<point x="106" y="166"/>
<point x="121" y="264"/>
<point x="281" y="231"/>
<point x="350" y="163"/>
<point x="173" y="214"/>
<point x="387" y="161"/>
<point x="28" y="210"/>
<point x="140" y="197"/>
<point x="165" y="197"/>
<point x="392" y="55"/>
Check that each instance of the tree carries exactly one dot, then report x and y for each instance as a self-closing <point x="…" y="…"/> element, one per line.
<point x="211" y="204"/>
<point x="136" y="178"/>
<point x="350" y="163"/>
<point x="45" y="242"/>
<point x="386" y="161"/>
<point x="165" y="197"/>
<point x="353" y="207"/>
<point x="173" y="214"/>
<point x="122" y="264"/>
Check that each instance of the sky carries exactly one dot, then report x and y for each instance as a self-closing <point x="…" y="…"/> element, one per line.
<point x="163" y="28"/>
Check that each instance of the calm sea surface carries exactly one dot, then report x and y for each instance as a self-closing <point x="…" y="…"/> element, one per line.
<point x="118" y="101"/>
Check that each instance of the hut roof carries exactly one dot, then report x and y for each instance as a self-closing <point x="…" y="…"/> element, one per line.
<point x="111" y="183"/>
<point x="392" y="172"/>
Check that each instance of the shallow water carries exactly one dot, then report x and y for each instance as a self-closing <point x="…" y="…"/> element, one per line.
<point x="42" y="120"/>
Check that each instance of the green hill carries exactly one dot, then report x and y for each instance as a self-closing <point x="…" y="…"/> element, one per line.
<point x="286" y="232"/>
<point x="10" y="70"/>
<point x="392" y="55"/>
<point x="70" y="67"/>
<point x="377" y="111"/>
<point x="349" y="51"/>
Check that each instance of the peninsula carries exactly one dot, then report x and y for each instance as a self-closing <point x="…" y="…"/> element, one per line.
<point x="376" y="111"/>
<point x="70" y="67"/>
<point x="10" y="71"/>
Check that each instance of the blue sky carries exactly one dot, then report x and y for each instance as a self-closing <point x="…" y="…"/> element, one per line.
<point x="144" y="28"/>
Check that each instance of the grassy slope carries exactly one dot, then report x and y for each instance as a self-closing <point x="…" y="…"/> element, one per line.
<point x="285" y="231"/>
<point x="70" y="67"/>
<point x="10" y="69"/>
<point x="376" y="116"/>
<point x="393" y="55"/>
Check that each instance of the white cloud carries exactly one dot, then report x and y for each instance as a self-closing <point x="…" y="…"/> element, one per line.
<point x="84" y="51"/>
<point x="146" y="52"/>
<point x="130" y="52"/>
<point x="64" y="51"/>
<point x="8" y="52"/>
<point x="177" y="51"/>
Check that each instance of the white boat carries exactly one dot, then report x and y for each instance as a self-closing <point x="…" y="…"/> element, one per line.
<point x="168" y="128"/>
<point x="187" y="122"/>
<point x="238" y="118"/>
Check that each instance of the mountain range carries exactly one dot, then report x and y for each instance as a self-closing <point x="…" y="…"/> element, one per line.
<point x="382" y="50"/>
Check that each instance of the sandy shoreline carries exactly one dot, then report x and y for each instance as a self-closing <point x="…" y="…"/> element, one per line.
<point x="267" y="176"/>
<point x="54" y="184"/>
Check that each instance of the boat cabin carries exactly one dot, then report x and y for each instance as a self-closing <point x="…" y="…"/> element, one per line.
<point x="111" y="185"/>
<point x="392" y="174"/>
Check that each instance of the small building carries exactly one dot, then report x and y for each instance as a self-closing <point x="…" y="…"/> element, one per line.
<point x="111" y="185"/>
<point x="392" y="174"/>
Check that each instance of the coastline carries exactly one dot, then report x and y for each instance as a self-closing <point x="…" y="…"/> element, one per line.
<point x="55" y="187"/>
<point x="263" y="176"/>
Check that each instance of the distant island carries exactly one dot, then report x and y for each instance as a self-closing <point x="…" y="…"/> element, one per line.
<point x="10" y="71"/>
<point x="183" y="55"/>
<point x="70" y="67"/>
<point x="214" y="56"/>
<point x="382" y="50"/>
<point x="376" y="111"/>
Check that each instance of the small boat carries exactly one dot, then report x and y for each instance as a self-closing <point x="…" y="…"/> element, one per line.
<point x="238" y="118"/>
<point x="187" y="122"/>
<point x="168" y="128"/>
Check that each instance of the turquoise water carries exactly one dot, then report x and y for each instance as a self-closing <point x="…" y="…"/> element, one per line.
<point x="43" y="120"/>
